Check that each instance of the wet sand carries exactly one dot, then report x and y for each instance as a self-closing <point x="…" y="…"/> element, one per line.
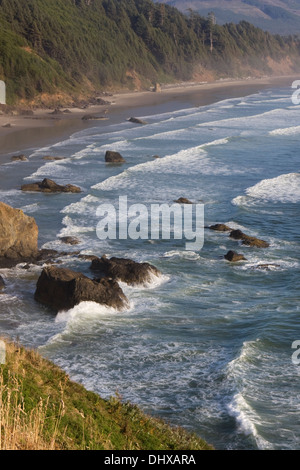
<point x="44" y="128"/>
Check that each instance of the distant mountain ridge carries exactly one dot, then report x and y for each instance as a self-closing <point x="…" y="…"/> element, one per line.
<point x="276" y="16"/>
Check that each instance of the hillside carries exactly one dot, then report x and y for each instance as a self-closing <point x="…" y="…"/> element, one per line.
<point x="42" y="409"/>
<point x="63" y="50"/>
<point x="276" y="16"/>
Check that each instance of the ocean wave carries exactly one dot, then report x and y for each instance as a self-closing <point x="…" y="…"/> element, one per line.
<point x="294" y="130"/>
<point x="284" y="188"/>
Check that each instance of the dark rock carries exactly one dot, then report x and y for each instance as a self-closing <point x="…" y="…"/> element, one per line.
<point x="220" y="228"/>
<point x="49" y="157"/>
<point x="249" y="241"/>
<point x="49" y="186"/>
<point x="114" y="157"/>
<point x="70" y="240"/>
<point x="19" y="158"/>
<point x="2" y="283"/>
<point x="57" y="111"/>
<point x="92" y="117"/>
<point x="156" y="156"/>
<point x="183" y="200"/>
<point x="62" y="289"/>
<point x="18" y="234"/>
<point x="137" y="121"/>
<point x="233" y="256"/>
<point x="125" y="270"/>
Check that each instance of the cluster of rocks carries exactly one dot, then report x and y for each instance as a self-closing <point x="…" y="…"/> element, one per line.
<point x="237" y="234"/>
<point x="49" y="186"/>
<point x="60" y="288"/>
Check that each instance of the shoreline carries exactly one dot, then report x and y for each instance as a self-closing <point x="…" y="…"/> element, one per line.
<point x="26" y="133"/>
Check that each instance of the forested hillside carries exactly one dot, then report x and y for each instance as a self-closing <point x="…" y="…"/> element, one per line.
<point x="71" y="48"/>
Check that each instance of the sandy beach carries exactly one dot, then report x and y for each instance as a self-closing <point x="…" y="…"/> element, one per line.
<point x="21" y="134"/>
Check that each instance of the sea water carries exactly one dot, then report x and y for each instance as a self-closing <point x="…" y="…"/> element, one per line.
<point x="208" y="345"/>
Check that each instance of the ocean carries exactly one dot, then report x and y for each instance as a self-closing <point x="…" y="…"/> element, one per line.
<point x="208" y="345"/>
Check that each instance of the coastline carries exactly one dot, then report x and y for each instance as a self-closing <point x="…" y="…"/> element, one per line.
<point x="26" y="133"/>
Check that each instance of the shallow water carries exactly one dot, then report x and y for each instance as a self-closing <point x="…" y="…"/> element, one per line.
<point x="208" y="345"/>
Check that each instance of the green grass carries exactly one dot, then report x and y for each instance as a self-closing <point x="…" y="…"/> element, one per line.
<point x="41" y="408"/>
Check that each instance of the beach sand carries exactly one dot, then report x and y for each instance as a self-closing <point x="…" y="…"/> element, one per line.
<point x="26" y="133"/>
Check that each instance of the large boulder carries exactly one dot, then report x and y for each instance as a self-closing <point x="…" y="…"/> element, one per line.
<point x="18" y="234"/>
<point x="114" y="157"/>
<point x="62" y="289"/>
<point x="49" y="186"/>
<point x="125" y="270"/>
<point x="249" y="241"/>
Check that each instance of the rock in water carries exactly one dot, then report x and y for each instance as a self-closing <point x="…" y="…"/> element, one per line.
<point x="233" y="256"/>
<point x="125" y="270"/>
<point x="62" y="289"/>
<point x="70" y="240"/>
<point x="137" y="121"/>
<point x="18" y="234"/>
<point x="183" y="200"/>
<point x="220" y="228"/>
<point x="114" y="157"/>
<point x="19" y="158"/>
<point x="49" y="186"/>
<point x="249" y="241"/>
<point x="2" y="283"/>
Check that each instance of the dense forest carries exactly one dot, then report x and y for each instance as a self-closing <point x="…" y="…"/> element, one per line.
<point x="72" y="48"/>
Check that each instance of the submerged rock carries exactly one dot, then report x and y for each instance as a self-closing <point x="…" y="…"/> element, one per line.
<point x="125" y="270"/>
<point x="49" y="157"/>
<point x="232" y="256"/>
<point x="49" y="186"/>
<point x="183" y="200"/>
<point x="247" y="240"/>
<point x="70" y="240"/>
<point x="62" y="289"/>
<point x="114" y="157"/>
<point x="18" y="234"/>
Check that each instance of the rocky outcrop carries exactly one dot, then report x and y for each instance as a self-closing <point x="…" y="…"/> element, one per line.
<point x="49" y="186"/>
<point x="183" y="200"/>
<point x="233" y="257"/>
<point x="137" y="121"/>
<point x="18" y="234"/>
<point x="62" y="289"/>
<point x="2" y="283"/>
<point x="125" y="270"/>
<point x="247" y="240"/>
<point x="157" y="88"/>
<point x="114" y="157"/>
<point x="220" y="228"/>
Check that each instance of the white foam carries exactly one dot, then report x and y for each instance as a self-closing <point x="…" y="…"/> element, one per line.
<point x="189" y="255"/>
<point x="247" y="420"/>
<point x="284" y="188"/>
<point x="294" y="130"/>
